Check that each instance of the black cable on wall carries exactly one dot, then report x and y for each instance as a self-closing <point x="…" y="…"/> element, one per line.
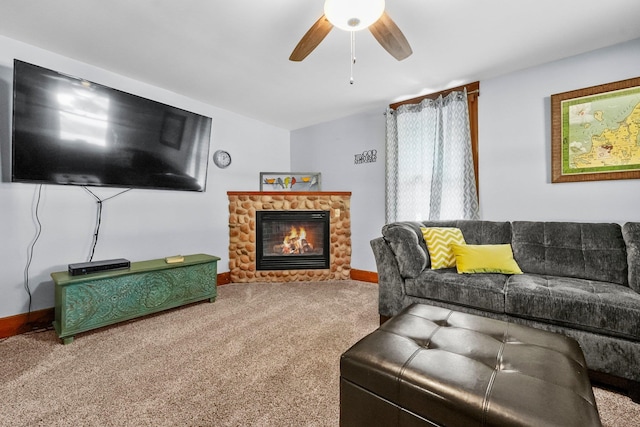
<point x="99" y="202"/>
<point x="30" y="250"/>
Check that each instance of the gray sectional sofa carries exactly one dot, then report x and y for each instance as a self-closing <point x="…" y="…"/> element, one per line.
<point x="580" y="279"/>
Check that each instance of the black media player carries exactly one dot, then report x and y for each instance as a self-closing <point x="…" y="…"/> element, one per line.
<point x="80" y="268"/>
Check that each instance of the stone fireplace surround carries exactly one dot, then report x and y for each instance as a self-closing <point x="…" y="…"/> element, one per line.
<point x="242" y="233"/>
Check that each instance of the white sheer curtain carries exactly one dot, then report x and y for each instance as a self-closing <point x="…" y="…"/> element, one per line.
<point x="429" y="162"/>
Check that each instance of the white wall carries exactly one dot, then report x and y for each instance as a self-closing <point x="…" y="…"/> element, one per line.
<point x="330" y="148"/>
<point x="515" y="143"/>
<point x="514" y="152"/>
<point x="138" y="225"/>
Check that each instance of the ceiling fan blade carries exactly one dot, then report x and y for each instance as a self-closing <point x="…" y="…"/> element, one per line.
<point x="311" y="39"/>
<point x="390" y="37"/>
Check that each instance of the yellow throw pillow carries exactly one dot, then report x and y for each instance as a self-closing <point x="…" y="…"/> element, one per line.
<point x="439" y="241"/>
<point x="485" y="259"/>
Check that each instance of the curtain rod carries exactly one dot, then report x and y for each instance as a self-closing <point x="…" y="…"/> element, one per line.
<point x="384" y="113"/>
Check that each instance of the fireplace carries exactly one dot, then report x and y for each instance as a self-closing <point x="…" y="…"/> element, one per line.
<point x="244" y="208"/>
<point x="292" y="240"/>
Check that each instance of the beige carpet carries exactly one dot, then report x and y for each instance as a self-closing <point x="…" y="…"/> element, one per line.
<point x="261" y="355"/>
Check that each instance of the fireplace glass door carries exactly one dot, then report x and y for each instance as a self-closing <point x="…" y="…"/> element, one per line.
<point x="292" y="240"/>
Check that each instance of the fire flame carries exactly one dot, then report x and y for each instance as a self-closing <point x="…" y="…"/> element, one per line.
<point x="296" y="242"/>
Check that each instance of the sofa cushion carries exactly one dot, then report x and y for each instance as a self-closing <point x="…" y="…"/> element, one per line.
<point x="590" y="305"/>
<point x="439" y="242"/>
<point x="481" y="291"/>
<point x="580" y="250"/>
<point x="477" y="232"/>
<point x="485" y="259"/>
<point x="631" y="235"/>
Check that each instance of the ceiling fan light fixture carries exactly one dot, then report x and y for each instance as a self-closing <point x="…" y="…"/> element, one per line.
<point x="353" y="15"/>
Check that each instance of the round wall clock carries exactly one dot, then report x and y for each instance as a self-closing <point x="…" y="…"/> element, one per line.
<point x="221" y="158"/>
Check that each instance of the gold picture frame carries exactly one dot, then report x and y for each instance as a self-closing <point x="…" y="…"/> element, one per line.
<point x="595" y="133"/>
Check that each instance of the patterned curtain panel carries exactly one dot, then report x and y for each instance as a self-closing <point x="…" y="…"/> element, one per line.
<point x="429" y="163"/>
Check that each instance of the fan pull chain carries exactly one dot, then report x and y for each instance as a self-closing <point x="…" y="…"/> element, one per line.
<point x="353" y="54"/>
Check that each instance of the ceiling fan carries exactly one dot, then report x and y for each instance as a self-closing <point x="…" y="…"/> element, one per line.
<point x="355" y="15"/>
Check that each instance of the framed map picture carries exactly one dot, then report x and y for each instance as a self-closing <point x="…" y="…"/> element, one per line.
<point x="595" y="133"/>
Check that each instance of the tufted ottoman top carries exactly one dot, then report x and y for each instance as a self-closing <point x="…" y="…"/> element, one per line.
<point x="454" y="368"/>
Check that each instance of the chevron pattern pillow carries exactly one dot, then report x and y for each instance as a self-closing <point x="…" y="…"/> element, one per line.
<point x="439" y="241"/>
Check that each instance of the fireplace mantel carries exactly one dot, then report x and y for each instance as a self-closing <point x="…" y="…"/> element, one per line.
<point x="242" y="233"/>
<point x="289" y="193"/>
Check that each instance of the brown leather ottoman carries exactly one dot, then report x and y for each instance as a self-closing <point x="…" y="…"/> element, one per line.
<point x="437" y="367"/>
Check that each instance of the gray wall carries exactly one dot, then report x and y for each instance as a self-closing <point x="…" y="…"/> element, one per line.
<point x="138" y="225"/>
<point x="146" y="224"/>
<point x="515" y="143"/>
<point x="514" y="151"/>
<point x="330" y="148"/>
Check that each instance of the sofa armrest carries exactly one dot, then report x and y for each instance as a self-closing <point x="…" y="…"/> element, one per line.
<point x="407" y="244"/>
<point x="390" y="282"/>
<point x="631" y="235"/>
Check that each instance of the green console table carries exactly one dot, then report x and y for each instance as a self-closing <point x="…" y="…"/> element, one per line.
<point x="94" y="300"/>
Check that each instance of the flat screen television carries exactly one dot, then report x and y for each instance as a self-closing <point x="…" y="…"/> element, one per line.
<point x="68" y="130"/>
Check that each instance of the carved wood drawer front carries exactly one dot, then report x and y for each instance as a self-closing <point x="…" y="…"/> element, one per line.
<point x="91" y="301"/>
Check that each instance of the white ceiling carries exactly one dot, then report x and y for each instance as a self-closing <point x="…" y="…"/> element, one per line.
<point x="233" y="54"/>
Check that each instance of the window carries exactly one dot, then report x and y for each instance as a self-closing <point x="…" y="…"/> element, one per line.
<point x="432" y="156"/>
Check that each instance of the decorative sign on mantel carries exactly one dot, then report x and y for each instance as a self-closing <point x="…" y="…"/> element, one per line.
<point x="290" y="181"/>
<point x="369" y="156"/>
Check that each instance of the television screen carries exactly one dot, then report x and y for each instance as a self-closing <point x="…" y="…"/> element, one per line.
<point x="68" y="130"/>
